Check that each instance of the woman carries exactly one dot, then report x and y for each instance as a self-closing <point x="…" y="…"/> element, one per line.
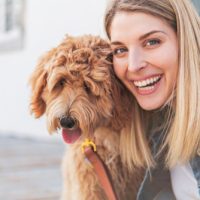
<point x="156" y="48"/>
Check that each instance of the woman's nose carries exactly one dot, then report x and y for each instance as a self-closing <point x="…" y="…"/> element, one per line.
<point x="136" y="61"/>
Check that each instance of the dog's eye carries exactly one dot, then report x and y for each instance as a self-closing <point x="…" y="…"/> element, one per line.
<point x="59" y="85"/>
<point x="86" y="87"/>
<point x="61" y="82"/>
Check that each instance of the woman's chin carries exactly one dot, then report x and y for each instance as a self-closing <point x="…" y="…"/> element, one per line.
<point x="149" y="104"/>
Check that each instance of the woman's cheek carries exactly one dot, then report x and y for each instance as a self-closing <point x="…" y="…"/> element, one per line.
<point x="119" y="68"/>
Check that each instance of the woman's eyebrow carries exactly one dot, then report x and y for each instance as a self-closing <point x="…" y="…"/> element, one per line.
<point x="116" y="43"/>
<point x="141" y="37"/>
<point x="150" y="33"/>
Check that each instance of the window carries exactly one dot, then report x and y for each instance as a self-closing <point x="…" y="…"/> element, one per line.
<point x="11" y="24"/>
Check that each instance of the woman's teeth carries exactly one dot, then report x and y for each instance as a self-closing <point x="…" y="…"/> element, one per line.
<point x="148" y="82"/>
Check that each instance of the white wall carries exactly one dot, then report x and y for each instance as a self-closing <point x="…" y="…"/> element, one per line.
<point x="46" y="23"/>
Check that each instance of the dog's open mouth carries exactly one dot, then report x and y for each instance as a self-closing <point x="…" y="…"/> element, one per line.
<point x="71" y="135"/>
<point x="70" y="129"/>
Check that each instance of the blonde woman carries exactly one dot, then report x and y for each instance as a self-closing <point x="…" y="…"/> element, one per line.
<point x="156" y="55"/>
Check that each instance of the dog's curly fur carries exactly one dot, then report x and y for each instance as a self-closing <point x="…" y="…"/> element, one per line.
<point x="76" y="79"/>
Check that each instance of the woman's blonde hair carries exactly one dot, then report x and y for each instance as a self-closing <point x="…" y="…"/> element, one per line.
<point x="183" y="138"/>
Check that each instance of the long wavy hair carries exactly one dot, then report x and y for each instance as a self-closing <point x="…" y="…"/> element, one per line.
<point x="182" y="140"/>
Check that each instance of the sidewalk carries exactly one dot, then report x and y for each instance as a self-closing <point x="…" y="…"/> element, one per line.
<point x="30" y="170"/>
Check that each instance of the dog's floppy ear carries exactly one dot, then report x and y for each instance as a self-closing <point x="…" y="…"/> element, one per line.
<point x="38" y="81"/>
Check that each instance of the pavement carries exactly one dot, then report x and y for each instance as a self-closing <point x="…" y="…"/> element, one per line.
<point x="30" y="169"/>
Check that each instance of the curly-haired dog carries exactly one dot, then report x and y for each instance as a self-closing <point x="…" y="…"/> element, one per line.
<point x="74" y="85"/>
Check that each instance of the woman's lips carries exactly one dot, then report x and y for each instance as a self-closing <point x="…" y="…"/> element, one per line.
<point x="148" y="86"/>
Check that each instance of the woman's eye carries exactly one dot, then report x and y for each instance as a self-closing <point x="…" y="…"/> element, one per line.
<point x="119" y="51"/>
<point x="152" y="42"/>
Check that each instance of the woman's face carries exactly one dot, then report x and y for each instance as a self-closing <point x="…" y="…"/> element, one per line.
<point x="145" y="50"/>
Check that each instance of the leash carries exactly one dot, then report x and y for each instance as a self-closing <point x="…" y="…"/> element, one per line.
<point x="89" y="149"/>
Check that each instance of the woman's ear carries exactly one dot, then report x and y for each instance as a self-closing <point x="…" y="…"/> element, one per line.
<point x="38" y="81"/>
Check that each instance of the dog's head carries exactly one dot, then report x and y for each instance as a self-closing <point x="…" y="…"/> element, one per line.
<point x="74" y="85"/>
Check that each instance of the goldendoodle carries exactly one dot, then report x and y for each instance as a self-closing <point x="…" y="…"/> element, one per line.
<point x="75" y="86"/>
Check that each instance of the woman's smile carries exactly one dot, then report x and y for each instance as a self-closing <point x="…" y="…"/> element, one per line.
<point x="148" y="85"/>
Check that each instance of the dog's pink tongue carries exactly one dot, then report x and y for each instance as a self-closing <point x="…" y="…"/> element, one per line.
<point x="70" y="136"/>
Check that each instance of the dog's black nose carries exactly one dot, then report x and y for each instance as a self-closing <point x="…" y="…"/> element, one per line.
<point x="67" y="122"/>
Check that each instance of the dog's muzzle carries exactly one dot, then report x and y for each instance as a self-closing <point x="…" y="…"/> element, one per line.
<point x="68" y="122"/>
<point x="70" y="129"/>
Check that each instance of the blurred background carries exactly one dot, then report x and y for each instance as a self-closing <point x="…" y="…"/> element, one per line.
<point x="29" y="158"/>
